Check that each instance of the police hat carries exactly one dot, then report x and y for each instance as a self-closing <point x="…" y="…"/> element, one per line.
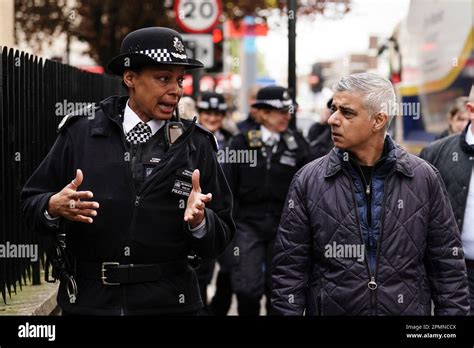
<point x="151" y="46"/>
<point x="273" y="97"/>
<point x="212" y="101"/>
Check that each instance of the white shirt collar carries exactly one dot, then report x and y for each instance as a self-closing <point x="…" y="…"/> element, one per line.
<point x="266" y="134"/>
<point x="469" y="135"/>
<point x="131" y="119"/>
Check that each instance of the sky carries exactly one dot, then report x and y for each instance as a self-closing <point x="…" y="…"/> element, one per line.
<point x="327" y="39"/>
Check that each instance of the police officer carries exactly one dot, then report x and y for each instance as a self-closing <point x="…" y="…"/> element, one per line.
<point x="259" y="191"/>
<point x="212" y="108"/>
<point x="135" y="190"/>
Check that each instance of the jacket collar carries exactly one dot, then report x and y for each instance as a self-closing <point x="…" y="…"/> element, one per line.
<point x="464" y="145"/>
<point x="131" y="119"/>
<point x="394" y="153"/>
<point x="112" y="109"/>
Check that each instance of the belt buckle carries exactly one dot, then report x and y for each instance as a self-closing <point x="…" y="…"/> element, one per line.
<point x="104" y="277"/>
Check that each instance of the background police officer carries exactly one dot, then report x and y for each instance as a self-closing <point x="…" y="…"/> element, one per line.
<point x="259" y="193"/>
<point x="212" y="109"/>
<point x="144" y="169"/>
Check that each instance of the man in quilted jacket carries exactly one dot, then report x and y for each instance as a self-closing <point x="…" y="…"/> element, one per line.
<point x="368" y="229"/>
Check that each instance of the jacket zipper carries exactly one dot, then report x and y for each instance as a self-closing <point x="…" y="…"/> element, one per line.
<point x="371" y="276"/>
<point x="372" y="285"/>
<point x="135" y="206"/>
<point x="379" y="242"/>
<point x="137" y="199"/>
<point x="367" y="186"/>
<point x="370" y="235"/>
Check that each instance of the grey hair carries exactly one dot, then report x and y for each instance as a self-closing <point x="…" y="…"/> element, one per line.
<point x="377" y="92"/>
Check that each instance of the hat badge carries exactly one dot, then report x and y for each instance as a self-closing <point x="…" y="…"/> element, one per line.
<point x="286" y="95"/>
<point x="178" y="45"/>
<point x="214" y="102"/>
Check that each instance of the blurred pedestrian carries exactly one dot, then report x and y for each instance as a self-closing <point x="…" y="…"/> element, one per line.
<point x="187" y="108"/>
<point x="458" y="118"/>
<point x="454" y="158"/>
<point x="319" y="135"/>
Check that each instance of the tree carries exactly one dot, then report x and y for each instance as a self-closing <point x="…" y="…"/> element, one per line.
<point x="104" y="23"/>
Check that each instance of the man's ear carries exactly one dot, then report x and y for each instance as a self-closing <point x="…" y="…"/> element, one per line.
<point x="380" y="121"/>
<point x="470" y="107"/>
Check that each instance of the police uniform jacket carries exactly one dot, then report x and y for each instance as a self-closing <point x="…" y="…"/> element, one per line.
<point x="261" y="189"/>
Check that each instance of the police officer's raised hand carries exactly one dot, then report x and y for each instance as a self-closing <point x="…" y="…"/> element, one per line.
<point x="194" y="213"/>
<point x="67" y="203"/>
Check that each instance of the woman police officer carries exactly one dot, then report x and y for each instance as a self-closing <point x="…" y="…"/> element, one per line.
<point x="158" y="192"/>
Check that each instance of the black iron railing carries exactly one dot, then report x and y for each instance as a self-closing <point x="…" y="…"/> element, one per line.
<point x="32" y="92"/>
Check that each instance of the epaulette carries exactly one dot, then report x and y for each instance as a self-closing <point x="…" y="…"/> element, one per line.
<point x="254" y="138"/>
<point x="210" y="136"/>
<point x="86" y="111"/>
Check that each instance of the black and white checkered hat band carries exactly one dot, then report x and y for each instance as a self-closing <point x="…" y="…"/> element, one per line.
<point x="205" y="105"/>
<point x="158" y="54"/>
<point x="276" y="103"/>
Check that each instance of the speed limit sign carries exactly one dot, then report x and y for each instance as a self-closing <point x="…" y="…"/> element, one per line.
<point x="197" y="16"/>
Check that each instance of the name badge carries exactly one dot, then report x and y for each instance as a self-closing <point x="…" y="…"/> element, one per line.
<point x="288" y="160"/>
<point x="185" y="173"/>
<point x="182" y="188"/>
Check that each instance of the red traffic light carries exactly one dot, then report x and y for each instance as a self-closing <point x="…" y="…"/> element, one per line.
<point x="217" y="35"/>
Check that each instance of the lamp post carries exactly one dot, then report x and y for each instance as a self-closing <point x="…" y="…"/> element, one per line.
<point x="292" y="7"/>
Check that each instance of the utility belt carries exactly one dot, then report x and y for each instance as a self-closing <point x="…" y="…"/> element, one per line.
<point x="66" y="268"/>
<point x="113" y="273"/>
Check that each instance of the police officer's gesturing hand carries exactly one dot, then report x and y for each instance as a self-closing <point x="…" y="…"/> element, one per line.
<point x="67" y="203"/>
<point x="194" y="213"/>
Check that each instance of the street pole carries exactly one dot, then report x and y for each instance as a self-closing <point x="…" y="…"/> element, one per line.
<point x="292" y="6"/>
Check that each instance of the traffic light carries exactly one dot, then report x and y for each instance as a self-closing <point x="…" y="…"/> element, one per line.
<point x="316" y="78"/>
<point x="218" y="40"/>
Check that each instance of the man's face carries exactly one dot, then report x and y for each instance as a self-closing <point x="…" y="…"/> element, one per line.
<point x="212" y="120"/>
<point x="275" y="120"/>
<point x="351" y="127"/>
<point x="459" y="121"/>
<point x="155" y="90"/>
